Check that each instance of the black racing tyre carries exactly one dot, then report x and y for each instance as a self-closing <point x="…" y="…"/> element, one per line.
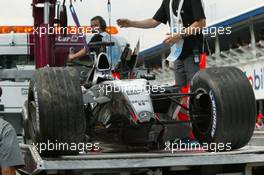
<point x="224" y="111"/>
<point x="56" y="110"/>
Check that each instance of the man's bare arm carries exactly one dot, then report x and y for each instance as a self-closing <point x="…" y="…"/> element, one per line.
<point x="145" y="24"/>
<point x="8" y="171"/>
<point x="77" y="55"/>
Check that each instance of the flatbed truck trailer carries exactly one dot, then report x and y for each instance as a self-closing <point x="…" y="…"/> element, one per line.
<point x="248" y="160"/>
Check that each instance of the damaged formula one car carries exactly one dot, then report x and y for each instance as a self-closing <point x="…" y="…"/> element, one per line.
<point x="127" y="112"/>
<point x="61" y="109"/>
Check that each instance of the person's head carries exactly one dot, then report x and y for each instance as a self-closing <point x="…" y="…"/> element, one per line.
<point x="98" y="22"/>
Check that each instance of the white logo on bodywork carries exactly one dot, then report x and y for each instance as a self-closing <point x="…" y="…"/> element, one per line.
<point x="73" y="38"/>
<point x="214" y="113"/>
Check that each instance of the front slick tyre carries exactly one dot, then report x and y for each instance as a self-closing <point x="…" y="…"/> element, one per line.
<point x="56" y="111"/>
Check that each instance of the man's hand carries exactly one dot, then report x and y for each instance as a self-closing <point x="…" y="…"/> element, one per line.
<point x="172" y="39"/>
<point x="71" y="57"/>
<point x="124" y="23"/>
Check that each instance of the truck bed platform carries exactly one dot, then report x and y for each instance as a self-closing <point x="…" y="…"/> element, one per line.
<point x="96" y="162"/>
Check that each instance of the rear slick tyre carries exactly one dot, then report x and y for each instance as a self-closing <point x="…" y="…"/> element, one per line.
<point x="224" y="111"/>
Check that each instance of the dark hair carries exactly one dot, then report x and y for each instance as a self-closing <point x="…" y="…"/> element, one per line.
<point x="101" y="21"/>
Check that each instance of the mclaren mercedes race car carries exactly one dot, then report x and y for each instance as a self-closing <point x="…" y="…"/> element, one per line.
<point x="220" y="106"/>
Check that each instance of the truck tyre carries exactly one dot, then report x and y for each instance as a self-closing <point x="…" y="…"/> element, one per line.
<point x="224" y="111"/>
<point x="56" y="110"/>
